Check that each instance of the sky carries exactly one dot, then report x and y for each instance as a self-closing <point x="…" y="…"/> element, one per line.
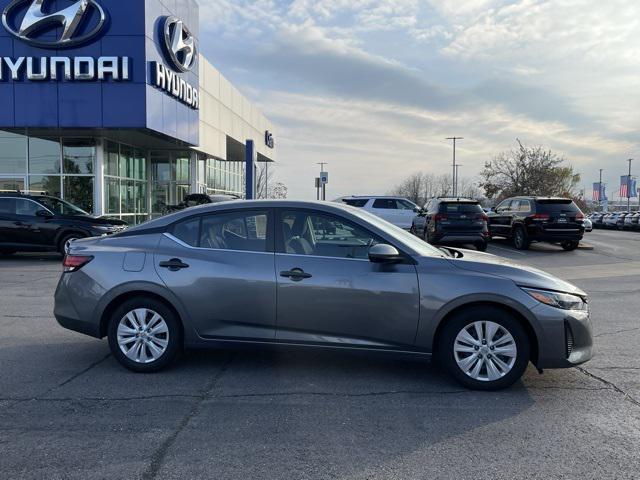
<point x="374" y="87"/>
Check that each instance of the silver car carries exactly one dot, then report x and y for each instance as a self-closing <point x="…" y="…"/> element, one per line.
<point x="321" y="275"/>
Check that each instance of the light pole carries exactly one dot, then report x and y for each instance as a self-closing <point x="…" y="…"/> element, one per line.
<point x="600" y="192"/>
<point x="458" y="165"/>
<point x="455" y="171"/>
<point x="629" y="187"/>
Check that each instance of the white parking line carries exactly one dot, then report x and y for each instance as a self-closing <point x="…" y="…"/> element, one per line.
<point x="508" y="250"/>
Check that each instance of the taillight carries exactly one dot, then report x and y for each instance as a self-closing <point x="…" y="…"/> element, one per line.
<point x="484" y="217"/>
<point x="580" y="216"/>
<point x="540" y="217"/>
<point x="73" y="263"/>
<point x="439" y="218"/>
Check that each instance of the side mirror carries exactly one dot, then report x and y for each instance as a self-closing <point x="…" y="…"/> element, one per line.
<point x="383" y="253"/>
<point x="44" y="214"/>
<point x="417" y="210"/>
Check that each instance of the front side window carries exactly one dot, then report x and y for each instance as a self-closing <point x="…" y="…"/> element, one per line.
<point x="324" y="235"/>
<point x="60" y="207"/>
<point x="355" y="202"/>
<point x="405" y="205"/>
<point x="7" y="206"/>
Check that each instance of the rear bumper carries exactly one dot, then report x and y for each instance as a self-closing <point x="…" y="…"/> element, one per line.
<point x="67" y="314"/>
<point x="556" y="234"/>
<point x="459" y="237"/>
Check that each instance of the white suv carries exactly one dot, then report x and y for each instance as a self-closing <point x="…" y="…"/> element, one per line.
<point x="396" y="210"/>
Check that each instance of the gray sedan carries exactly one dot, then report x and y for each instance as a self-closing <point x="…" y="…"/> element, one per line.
<point x="320" y="275"/>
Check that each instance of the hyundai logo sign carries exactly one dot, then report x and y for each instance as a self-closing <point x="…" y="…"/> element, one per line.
<point x="37" y="19"/>
<point x="180" y="44"/>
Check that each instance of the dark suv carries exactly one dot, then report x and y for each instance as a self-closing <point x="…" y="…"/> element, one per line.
<point x="452" y="221"/>
<point x="40" y="223"/>
<point x="538" y="219"/>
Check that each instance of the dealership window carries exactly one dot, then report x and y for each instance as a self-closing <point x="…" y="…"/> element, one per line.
<point x="44" y="156"/>
<point x="170" y="179"/>
<point x="125" y="183"/>
<point x="223" y="177"/>
<point x="78" y="156"/>
<point x="13" y="153"/>
<point x="51" y="185"/>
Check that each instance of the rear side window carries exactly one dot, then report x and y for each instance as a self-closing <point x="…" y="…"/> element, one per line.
<point x="188" y="231"/>
<point x="355" y="202"/>
<point x="385" y="204"/>
<point x="556" y="206"/>
<point x="244" y="231"/>
<point x="460" y="208"/>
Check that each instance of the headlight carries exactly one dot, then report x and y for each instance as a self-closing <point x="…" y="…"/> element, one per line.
<point x="106" y="228"/>
<point x="565" y="301"/>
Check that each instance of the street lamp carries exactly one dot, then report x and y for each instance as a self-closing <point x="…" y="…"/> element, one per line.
<point x="455" y="171"/>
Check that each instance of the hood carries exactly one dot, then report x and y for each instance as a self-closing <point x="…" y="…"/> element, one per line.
<point x="95" y="220"/>
<point x="522" y="275"/>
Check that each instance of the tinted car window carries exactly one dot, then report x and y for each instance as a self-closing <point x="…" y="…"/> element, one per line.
<point x="324" y="235"/>
<point x="355" y="202"/>
<point x="244" y="231"/>
<point x="460" y="208"/>
<point x="405" y="205"/>
<point x="385" y="204"/>
<point x="26" y="207"/>
<point x="8" y="206"/>
<point x="556" y="206"/>
<point x="188" y="231"/>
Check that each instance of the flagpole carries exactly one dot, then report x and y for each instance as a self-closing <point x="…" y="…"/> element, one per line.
<point x="629" y="187"/>
<point x="600" y="192"/>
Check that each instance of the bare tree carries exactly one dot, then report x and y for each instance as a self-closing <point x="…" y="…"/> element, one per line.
<point x="266" y="185"/>
<point x="528" y="171"/>
<point x="420" y="187"/>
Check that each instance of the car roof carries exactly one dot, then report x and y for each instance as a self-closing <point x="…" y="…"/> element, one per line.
<point x="457" y="200"/>
<point x="167" y="220"/>
<point x="391" y="197"/>
<point x="536" y="198"/>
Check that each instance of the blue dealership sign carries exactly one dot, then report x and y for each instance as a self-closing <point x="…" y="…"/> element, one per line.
<point x="96" y="63"/>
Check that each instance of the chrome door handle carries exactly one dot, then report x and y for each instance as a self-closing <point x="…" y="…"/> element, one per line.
<point x="174" y="264"/>
<point x="296" y="274"/>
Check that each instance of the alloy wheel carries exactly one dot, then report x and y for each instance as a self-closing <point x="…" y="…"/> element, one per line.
<point x="143" y="335"/>
<point x="485" y="351"/>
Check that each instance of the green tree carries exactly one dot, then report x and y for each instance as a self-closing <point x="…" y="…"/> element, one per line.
<point x="528" y="171"/>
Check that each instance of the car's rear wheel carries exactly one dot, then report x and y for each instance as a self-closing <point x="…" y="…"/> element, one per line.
<point x="481" y="246"/>
<point x="484" y="348"/>
<point x="520" y="239"/>
<point x="570" y="245"/>
<point x="66" y="240"/>
<point x="144" y="335"/>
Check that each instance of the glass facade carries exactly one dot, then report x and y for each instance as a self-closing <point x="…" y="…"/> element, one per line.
<point x="138" y="183"/>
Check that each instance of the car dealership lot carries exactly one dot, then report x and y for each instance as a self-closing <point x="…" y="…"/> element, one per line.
<point x="67" y="410"/>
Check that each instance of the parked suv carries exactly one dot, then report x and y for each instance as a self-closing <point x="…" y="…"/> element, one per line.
<point x="396" y="210"/>
<point x="452" y="221"/>
<point x="40" y="223"/>
<point x="538" y="219"/>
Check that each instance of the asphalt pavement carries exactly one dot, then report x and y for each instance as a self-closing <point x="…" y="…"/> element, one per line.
<point x="68" y="410"/>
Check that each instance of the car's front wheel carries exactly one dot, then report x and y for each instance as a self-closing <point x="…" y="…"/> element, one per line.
<point x="63" y="246"/>
<point x="520" y="239"/>
<point x="484" y="348"/>
<point x="144" y="335"/>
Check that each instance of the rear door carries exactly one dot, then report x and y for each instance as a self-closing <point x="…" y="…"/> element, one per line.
<point x="221" y="267"/>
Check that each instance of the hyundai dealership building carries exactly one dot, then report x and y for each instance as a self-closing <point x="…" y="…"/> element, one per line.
<point x="109" y="105"/>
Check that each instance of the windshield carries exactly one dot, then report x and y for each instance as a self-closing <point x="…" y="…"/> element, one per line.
<point x="60" y="207"/>
<point x="418" y="245"/>
<point x="460" y="208"/>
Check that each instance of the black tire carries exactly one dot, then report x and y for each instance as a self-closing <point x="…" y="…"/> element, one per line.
<point x="174" y="335"/>
<point x="520" y="239"/>
<point x="7" y="252"/>
<point x="570" y="245"/>
<point x="456" y="324"/>
<point x="67" y="238"/>
<point x="482" y="246"/>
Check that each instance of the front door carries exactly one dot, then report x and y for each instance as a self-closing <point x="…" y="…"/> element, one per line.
<point x="330" y="293"/>
<point x="220" y="266"/>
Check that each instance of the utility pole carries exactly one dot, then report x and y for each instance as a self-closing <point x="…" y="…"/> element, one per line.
<point x="457" y="176"/>
<point x="455" y="170"/>
<point x="323" y="185"/>
<point x="629" y="187"/>
<point x="600" y="192"/>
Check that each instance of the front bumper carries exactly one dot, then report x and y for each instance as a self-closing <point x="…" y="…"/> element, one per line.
<point x="567" y="337"/>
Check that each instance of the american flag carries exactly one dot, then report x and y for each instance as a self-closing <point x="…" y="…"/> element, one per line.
<point x="597" y="192"/>
<point x="624" y="186"/>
